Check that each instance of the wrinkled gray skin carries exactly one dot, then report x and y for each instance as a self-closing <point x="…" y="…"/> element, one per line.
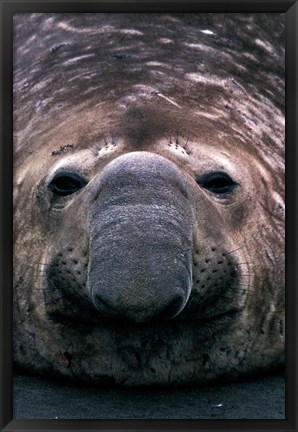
<point x="142" y="274"/>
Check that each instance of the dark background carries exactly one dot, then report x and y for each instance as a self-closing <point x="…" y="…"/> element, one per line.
<point x="26" y="388"/>
<point x="37" y="398"/>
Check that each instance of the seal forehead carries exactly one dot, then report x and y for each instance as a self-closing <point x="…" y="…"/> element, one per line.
<point x="133" y="60"/>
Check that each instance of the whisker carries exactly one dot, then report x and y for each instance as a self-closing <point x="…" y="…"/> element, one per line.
<point x="37" y="263"/>
<point x="235" y="250"/>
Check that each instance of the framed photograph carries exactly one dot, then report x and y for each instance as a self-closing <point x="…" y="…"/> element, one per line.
<point x="148" y="209"/>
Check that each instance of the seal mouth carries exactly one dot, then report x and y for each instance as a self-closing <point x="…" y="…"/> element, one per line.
<point x="89" y="318"/>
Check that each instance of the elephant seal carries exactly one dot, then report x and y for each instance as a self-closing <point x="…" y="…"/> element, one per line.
<point x="148" y="196"/>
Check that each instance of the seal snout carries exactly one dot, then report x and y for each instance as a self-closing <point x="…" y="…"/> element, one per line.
<point x="141" y="240"/>
<point x="142" y="312"/>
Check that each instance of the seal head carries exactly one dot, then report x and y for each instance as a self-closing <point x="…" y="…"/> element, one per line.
<point x="149" y="196"/>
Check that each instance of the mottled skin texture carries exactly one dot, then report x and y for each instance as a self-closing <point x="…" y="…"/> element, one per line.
<point x="143" y="275"/>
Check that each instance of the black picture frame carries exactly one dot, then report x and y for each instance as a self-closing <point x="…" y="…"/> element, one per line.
<point x="8" y="9"/>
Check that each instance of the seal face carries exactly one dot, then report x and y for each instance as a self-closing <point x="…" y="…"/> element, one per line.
<point x="149" y="196"/>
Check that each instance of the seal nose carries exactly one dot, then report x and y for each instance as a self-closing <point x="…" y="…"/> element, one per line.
<point x="155" y="312"/>
<point x="141" y="224"/>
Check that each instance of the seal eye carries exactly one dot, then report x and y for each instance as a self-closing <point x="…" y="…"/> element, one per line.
<point x="217" y="182"/>
<point x="66" y="183"/>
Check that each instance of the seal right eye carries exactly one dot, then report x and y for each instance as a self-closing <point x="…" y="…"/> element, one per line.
<point x="66" y="183"/>
<point x="218" y="183"/>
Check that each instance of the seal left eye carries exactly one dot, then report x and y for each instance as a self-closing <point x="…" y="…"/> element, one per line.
<point x="66" y="183"/>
